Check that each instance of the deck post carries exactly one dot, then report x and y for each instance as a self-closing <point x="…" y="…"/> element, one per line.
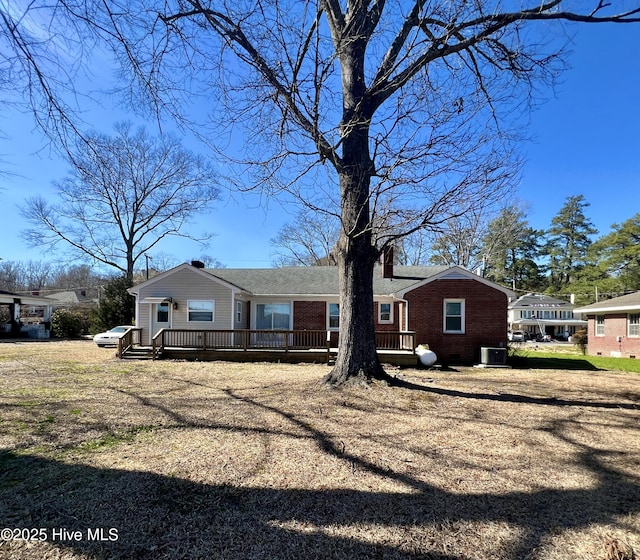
<point x="328" y="346"/>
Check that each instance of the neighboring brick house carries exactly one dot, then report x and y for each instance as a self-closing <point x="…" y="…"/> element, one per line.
<point x="614" y="326"/>
<point x="451" y="309"/>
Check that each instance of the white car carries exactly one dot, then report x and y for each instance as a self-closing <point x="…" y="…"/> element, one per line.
<point x="516" y="336"/>
<point x="111" y="337"/>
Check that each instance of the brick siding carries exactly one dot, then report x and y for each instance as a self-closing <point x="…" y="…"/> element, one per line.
<point x="615" y="325"/>
<point x="310" y="315"/>
<point x="485" y="319"/>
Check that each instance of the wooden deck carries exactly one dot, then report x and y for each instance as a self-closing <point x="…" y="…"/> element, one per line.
<point x="396" y="348"/>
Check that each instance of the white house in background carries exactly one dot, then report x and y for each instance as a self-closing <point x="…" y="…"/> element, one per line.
<point x="538" y="315"/>
<point x="28" y="316"/>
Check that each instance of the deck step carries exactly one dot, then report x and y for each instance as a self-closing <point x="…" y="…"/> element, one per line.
<point x="137" y="354"/>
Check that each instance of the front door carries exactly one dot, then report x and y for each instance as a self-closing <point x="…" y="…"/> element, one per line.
<point x="160" y="318"/>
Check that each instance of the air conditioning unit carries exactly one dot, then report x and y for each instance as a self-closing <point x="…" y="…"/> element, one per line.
<point x="493" y="356"/>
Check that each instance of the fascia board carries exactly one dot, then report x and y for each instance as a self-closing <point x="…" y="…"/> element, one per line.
<point x="400" y="294"/>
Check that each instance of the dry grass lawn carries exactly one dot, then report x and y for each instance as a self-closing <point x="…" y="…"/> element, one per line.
<point x="258" y="461"/>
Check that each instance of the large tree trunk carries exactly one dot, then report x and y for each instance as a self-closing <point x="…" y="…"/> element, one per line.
<point x="357" y="360"/>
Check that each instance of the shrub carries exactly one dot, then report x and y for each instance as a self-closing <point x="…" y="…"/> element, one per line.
<point x="580" y="339"/>
<point x="66" y="324"/>
<point x="517" y="356"/>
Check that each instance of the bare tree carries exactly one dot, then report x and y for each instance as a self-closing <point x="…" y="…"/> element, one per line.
<point x="409" y="106"/>
<point x="38" y="275"/>
<point x="123" y="196"/>
<point x="414" y="249"/>
<point x="42" y="56"/>
<point x="80" y="276"/>
<point x="309" y="240"/>
<point x="25" y="276"/>
<point x="459" y="242"/>
<point x="11" y="276"/>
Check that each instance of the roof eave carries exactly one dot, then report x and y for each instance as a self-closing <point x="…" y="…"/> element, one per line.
<point x="617" y="308"/>
<point x="400" y="294"/>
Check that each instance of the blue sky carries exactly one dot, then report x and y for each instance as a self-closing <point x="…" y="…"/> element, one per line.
<point x="585" y="140"/>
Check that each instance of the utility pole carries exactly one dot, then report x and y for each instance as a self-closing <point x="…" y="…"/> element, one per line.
<point x="147" y="257"/>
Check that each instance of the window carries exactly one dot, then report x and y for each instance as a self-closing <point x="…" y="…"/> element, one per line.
<point x="162" y="312"/>
<point x="201" y="310"/>
<point x="238" y="312"/>
<point x="385" y="313"/>
<point x="273" y="316"/>
<point x="634" y="324"/>
<point x="454" y="316"/>
<point x="599" y="325"/>
<point x="334" y="315"/>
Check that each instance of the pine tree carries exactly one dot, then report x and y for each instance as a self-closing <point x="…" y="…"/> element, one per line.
<point x="617" y="255"/>
<point x="510" y="249"/>
<point x="568" y="242"/>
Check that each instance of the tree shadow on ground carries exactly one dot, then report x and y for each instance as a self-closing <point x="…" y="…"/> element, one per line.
<point x="159" y="516"/>
<point x="163" y="517"/>
<point x="540" y="362"/>
<point x="514" y="397"/>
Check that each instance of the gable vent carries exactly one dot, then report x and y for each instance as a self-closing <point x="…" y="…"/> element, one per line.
<point x="454" y="275"/>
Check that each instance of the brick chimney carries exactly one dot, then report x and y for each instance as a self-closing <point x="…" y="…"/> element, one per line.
<point x="387" y="262"/>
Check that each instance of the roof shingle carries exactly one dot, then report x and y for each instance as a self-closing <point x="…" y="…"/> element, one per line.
<point x="629" y="302"/>
<point x="319" y="280"/>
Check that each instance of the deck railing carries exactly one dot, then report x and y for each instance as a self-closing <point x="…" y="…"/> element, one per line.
<point x="131" y="337"/>
<point x="283" y="340"/>
<point x="395" y="340"/>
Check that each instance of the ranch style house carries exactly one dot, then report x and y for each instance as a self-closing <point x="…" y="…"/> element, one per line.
<point x="453" y="311"/>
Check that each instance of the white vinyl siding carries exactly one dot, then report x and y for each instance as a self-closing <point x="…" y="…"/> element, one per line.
<point x="183" y="286"/>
